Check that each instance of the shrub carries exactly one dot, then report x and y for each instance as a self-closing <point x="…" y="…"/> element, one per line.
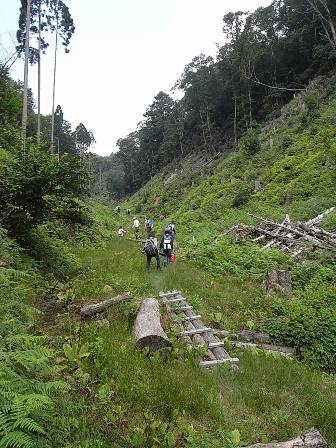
<point x="250" y="142"/>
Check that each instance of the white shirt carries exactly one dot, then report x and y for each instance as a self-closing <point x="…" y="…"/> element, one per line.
<point x="136" y="224"/>
<point x="121" y="232"/>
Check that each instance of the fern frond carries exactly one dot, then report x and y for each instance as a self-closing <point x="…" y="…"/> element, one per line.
<point x="28" y="424"/>
<point x="17" y="439"/>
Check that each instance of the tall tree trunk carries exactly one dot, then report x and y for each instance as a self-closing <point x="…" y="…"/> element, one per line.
<point x="235" y="121"/>
<point x="25" y="83"/>
<point x="203" y="125"/>
<point x="209" y="129"/>
<point x="250" y="104"/>
<point x="54" y="90"/>
<point x="39" y="78"/>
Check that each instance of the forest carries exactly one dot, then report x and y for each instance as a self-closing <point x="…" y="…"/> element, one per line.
<point x="241" y="156"/>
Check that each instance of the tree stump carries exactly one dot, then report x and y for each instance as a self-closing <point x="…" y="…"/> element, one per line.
<point x="278" y="281"/>
<point x="308" y="439"/>
<point x="147" y="330"/>
<point x="257" y="186"/>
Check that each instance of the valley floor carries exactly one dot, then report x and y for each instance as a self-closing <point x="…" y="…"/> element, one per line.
<point x="123" y="397"/>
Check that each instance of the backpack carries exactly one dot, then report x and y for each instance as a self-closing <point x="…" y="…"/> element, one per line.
<point x="149" y="222"/>
<point x="172" y="227"/>
<point x="167" y="242"/>
<point x="150" y="248"/>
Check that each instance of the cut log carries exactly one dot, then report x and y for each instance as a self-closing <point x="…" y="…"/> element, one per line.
<point x="94" y="308"/>
<point x="147" y="330"/>
<point x="319" y="218"/>
<point x="308" y="439"/>
<point x="278" y="281"/>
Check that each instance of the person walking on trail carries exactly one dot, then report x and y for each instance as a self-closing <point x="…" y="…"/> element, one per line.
<point x="117" y="209"/>
<point x="128" y="212"/>
<point x="166" y="246"/>
<point x="121" y="232"/>
<point x="136" y="226"/>
<point x="149" y="225"/>
<point x="150" y="249"/>
<point x="172" y="229"/>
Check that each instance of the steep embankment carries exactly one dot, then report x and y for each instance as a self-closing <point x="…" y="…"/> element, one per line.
<point x="294" y="157"/>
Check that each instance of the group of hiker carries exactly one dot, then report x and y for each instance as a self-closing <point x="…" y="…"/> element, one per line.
<point x="152" y="248"/>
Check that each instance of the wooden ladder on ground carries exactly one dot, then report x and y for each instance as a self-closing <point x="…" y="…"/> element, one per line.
<point x="193" y="330"/>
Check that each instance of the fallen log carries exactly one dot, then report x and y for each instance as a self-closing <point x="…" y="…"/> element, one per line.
<point x="147" y="330"/>
<point x="308" y="439"/>
<point x="281" y="350"/>
<point x="94" y="308"/>
<point x="319" y="218"/>
<point x="247" y="335"/>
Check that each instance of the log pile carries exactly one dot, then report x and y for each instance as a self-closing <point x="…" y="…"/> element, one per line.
<point x="293" y="237"/>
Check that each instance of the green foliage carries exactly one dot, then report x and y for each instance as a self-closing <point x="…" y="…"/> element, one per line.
<point x="250" y="142"/>
<point x="28" y="378"/>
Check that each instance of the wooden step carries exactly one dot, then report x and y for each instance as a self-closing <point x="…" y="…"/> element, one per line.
<point x="182" y="308"/>
<point x="216" y="362"/>
<point x="169" y="294"/>
<point x="216" y="344"/>
<point x="174" y="300"/>
<point x="188" y="318"/>
<point x="196" y="331"/>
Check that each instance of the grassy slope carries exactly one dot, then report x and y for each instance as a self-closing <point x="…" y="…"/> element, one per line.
<point x="269" y="399"/>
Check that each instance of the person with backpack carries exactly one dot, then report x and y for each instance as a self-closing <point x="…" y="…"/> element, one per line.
<point x="150" y="249"/>
<point x="166" y="245"/>
<point x="136" y="226"/>
<point x="121" y="232"/>
<point x="172" y="228"/>
<point x="149" y="225"/>
<point x="128" y="212"/>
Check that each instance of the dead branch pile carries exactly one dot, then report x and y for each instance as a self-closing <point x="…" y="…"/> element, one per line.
<point x="296" y="238"/>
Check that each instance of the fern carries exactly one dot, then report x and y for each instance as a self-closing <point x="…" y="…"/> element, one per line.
<point x="17" y="439"/>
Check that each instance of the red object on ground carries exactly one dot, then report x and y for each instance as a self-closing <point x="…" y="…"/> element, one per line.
<point x="172" y="258"/>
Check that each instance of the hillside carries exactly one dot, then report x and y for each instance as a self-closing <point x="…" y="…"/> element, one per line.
<point x="294" y="158"/>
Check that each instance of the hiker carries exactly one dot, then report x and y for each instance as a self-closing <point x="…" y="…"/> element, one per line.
<point x="161" y="217"/>
<point x="121" y="232"/>
<point x="117" y="209"/>
<point x="149" y="225"/>
<point x="150" y="249"/>
<point x="172" y="228"/>
<point x="166" y="245"/>
<point x="128" y="212"/>
<point x="136" y="226"/>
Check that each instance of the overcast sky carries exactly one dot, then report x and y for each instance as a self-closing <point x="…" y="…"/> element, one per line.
<point x="121" y="55"/>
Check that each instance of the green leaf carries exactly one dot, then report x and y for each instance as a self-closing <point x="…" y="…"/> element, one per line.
<point x="235" y="437"/>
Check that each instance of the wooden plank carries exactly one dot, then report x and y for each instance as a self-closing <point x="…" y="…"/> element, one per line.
<point x="218" y="361"/>
<point x="197" y="331"/>
<point x="188" y="318"/>
<point x="183" y="308"/>
<point x="169" y="294"/>
<point x="173" y="300"/>
<point x="216" y="344"/>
